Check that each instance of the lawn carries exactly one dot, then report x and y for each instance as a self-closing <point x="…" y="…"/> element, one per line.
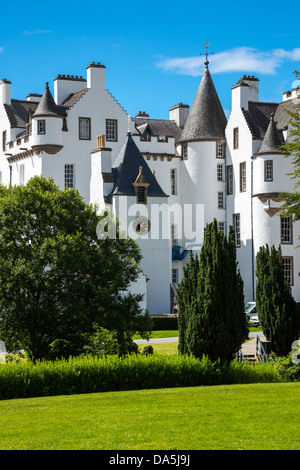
<point x="248" y="417"/>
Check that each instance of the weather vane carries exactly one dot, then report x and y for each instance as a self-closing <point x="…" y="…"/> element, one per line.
<point x="297" y="74"/>
<point x="206" y="54"/>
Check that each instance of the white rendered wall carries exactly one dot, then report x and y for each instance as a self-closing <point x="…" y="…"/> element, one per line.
<point x="156" y="250"/>
<point x="241" y="202"/>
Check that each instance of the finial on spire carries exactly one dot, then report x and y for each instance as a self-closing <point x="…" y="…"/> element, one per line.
<point x="206" y="54"/>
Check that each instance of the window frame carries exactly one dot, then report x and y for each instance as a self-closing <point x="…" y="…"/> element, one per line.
<point x="173" y="181"/>
<point x="236" y="138"/>
<point x="223" y="225"/>
<point x="223" y="200"/>
<point x="229" y="179"/>
<point x="80" y="135"/>
<point x="184" y="151"/>
<point x="283" y="230"/>
<point x="41" y="122"/>
<point x="266" y="170"/>
<point x="69" y="165"/>
<point x="107" y="122"/>
<point x="220" y="174"/>
<point x="220" y="146"/>
<point x="243" y="177"/>
<point x="4" y="139"/>
<point x="141" y="194"/>
<point x="175" y="272"/>
<point x="237" y="234"/>
<point x="290" y="278"/>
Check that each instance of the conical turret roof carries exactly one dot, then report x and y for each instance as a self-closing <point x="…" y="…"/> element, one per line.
<point x="206" y="119"/>
<point x="272" y="139"/>
<point x="126" y="169"/>
<point x="47" y="105"/>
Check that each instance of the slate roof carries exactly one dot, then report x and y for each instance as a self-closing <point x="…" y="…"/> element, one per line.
<point x="157" y="127"/>
<point x="74" y="97"/>
<point x="259" y="114"/>
<point x="258" y="117"/>
<point x="125" y="170"/>
<point x="47" y="105"/>
<point x="18" y="112"/>
<point x="281" y="116"/>
<point x="206" y="119"/>
<point x="272" y="140"/>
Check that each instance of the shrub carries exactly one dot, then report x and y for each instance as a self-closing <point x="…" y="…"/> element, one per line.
<point x="148" y="350"/>
<point x="164" y="322"/>
<point x="113" y="373"/>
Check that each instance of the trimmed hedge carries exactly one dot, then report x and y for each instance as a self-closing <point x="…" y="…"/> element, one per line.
<point x="164" y="322"/>
<point x="94" y="374"/>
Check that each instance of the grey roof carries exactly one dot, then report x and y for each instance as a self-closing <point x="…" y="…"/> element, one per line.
<point x="158" y="127"/>
<point x="259" y="114"/>
<point x="272" y="140"/>
<point x="47" y="105"/>
<point x="18" y="112"/>
<point x="258" y="117"/>
<point x="74" y="97"/>
<point x="206" y="119"/>
<point x="282" y="117"/>
<point x="125" y="170"/>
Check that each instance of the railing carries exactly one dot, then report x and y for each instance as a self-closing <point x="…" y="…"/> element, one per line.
<point x="240" y="356"/>
<point x="260" y="351"/>
<point x="179" y="253"/>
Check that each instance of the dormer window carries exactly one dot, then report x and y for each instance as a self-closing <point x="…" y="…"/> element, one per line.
<point x="141" y="187"/>
<point x="41" y="126"/>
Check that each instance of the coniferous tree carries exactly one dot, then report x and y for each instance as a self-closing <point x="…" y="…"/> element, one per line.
<point x="214" y="321"/>
<point x="185" y="293"/>
<point x="275" y="304"/>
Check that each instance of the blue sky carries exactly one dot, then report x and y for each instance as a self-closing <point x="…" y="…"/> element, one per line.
<point x="151" y="50"/>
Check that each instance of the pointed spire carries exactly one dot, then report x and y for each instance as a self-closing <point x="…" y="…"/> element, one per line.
<point x="206" y="120"/>
<point x="47" y="105"/>
<point x="272" y="139"/>
<point x="131" y="166"/>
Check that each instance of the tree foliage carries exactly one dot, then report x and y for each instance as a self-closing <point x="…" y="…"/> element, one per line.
<point x="291" y="149"/>
<point x="210" y="300"/>
<point x="57" y="279"/>
<point x="275" y="304"/>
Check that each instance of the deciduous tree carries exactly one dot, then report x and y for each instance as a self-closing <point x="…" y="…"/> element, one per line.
<point x="57" y="279"/>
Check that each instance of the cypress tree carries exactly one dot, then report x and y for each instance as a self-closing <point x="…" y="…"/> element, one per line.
<point x="185" y="293"/>
<point x="275" y="304"/>
<point x="212" y="320"/>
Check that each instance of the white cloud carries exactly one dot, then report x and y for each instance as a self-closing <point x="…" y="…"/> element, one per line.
<point x="239" y="59"/>
<point x="37" y="31"/>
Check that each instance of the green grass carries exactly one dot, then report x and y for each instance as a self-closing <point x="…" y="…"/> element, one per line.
<point x="160" y="334"/>
<point x="248" y="417"/>
<point x="162" y="348"/>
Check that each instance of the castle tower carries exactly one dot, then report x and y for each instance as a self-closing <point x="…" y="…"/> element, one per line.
<point x="47" y="125"/>
<point x="202" y="145"/>
<point x="136" y="199"/>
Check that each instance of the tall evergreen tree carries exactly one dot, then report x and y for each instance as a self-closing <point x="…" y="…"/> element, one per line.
<point x="211" y="317"/>
<point x="275" y="304"/>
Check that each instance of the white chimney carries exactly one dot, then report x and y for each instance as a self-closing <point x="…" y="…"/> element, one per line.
<point x="65" y="85"/>
<point x="96" y="75"/>
<point x="179" y="114"/>
<point x="5" y="91"/>
<point x="244" y="91"/>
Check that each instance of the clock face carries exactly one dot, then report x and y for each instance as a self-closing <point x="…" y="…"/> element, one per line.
<point x="141" y="225"/>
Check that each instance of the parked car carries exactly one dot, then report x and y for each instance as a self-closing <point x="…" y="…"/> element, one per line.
<point x="250" y="309"/>
<point x="254" y="320"/>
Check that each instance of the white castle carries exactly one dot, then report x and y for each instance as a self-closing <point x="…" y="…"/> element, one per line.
<point x="164" y="179"/>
